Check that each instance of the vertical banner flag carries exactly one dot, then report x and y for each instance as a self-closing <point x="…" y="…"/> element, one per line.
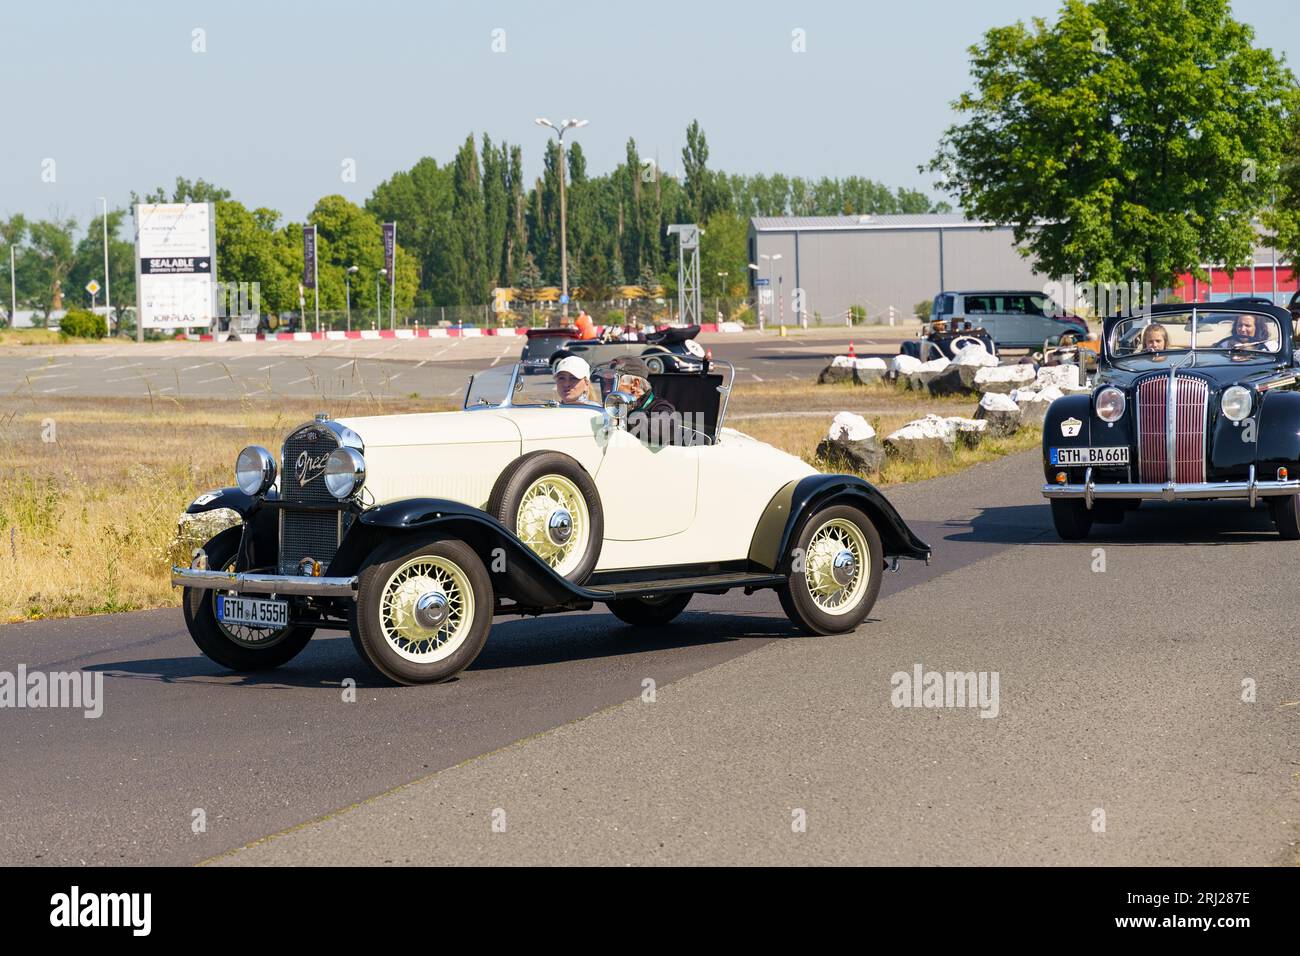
<point x="390" y="250"/>
<point x="309" y="257"/>
<point x="176" y="265"/>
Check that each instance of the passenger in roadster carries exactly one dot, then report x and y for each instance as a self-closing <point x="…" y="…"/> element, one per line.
<point x="573" y="381"/>
<point x="1155" y="338"/>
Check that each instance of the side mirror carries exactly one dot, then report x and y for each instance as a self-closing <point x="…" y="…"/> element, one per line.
<point x="616" y="406"/>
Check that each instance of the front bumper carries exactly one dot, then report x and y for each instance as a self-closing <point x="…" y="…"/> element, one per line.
<point x="1250" y="489"/>
<point x="247" y="582"/>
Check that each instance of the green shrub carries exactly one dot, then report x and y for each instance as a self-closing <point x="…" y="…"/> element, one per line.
<point x="615" y="317"/>
<point x="80" y="324"/>
<point x="922" y="309"/>
<point x="857" y="315"/>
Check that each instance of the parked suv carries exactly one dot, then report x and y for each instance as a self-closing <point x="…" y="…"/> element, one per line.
<point x="1014" y="319"/>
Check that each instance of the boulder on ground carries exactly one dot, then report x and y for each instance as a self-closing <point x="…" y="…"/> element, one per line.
<point x="862" y="371"/>
<point x="967" y="431"/>
<point x="1034" y="403"/>
<point x="869" y="371"/>
<point x="951" y="381"/>
<point x="919" y="378"/>
<point x="901" y="366"/>
<point x="1003" y="379"/>
<point x="934" y="435"/>
<point x="921" y="439"/>
<point x="851" y="442"/>
<point x="1061" y="376"/>
<point x="835" y="373"/>
<point x="1001" y="413"/>
<point x="971" y="359"/>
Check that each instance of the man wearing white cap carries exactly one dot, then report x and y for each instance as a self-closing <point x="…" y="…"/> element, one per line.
<point x="573" y="380"/>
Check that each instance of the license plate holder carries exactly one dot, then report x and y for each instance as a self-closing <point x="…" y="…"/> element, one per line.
<point x="252" y="612"/>
<point x="1090" y="456"/>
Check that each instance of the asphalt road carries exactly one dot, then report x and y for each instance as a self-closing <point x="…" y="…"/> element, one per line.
<point x="1120" y="693"/>
<point x="383" y="368"/>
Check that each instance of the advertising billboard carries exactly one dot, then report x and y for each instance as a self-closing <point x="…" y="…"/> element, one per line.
<point x="176" y="264"/>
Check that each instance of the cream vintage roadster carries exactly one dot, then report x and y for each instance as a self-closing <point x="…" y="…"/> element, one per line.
<point x="413" y="531"/>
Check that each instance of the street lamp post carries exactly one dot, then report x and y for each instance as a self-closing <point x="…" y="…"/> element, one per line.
<point x="379" y="278"/>
<point x="348" y="273"/>
<point x="108" y="286"/>
<point x="758" y="304"/>
<point x="560" y="130"/>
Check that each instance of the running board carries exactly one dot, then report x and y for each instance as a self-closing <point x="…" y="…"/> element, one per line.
<point x="705" y="582"/>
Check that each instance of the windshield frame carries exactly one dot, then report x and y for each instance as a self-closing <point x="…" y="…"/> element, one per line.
<point x="507" y="396"/>
<point x="1197" y="311"/>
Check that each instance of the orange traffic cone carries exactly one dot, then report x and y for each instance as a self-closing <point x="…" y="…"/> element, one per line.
<point x="852" y="354"/>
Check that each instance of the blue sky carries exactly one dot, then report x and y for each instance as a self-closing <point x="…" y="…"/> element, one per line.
<point x="287" y="91"/>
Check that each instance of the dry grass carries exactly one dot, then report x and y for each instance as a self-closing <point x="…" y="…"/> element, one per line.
<point x="754" y="410"/>
<point x="800" y="436"/>
<point x="790" y="395"/>
<point x="92" y="488"/>
<point x="30" y="337"/>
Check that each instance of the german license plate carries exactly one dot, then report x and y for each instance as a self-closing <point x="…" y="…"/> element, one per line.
<point x="252" y="612"/>
<point x="1109" y="455"/>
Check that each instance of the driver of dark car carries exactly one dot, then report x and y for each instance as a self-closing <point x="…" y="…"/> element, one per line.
<point x="649" y="417"/>
<point x="1246" y="333"/>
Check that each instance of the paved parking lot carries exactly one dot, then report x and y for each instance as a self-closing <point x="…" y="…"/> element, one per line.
<point x="383" y="368"/>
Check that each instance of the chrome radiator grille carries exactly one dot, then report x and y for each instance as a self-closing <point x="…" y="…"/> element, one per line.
<point x="1191" y="397"/>
<point x="304" y="534"/>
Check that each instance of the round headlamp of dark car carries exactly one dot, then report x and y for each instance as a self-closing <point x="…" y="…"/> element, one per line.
<point x="1110" y="404"/>
<point x="345" y="473"/>
<point x="255" y="470"/>
<point x="1236" y="403"/>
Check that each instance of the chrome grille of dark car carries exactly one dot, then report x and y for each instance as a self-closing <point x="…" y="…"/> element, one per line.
<point x="1190" y="405"/>
<point x="306" y="533"/>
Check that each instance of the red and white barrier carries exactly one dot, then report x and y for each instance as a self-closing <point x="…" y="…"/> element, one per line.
<point x="438" y="332"/>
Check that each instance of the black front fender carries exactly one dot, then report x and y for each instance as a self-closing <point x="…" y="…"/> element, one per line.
<point x="516" y="571"/>
<point x="798" y="499"/>
<point x="1279" y="430"/>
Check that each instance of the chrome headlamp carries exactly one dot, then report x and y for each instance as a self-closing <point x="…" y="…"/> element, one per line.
<point x="255" y="470"/>
<point x="1236" y="403"/>
<point x="345" y="473"/>
<point x="1110" y="404"/>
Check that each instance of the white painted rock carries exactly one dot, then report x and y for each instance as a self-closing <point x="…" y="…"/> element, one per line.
<point x="1034" y="402"/>
<point x="976" y="354"/>
<point x="859" y="364"/>
<point x="1046" y="396"/>
<point x="967" y="431"/>
<point x="1002" y="414"/>
<point x="847" y="426"/>
<point x="998" y="402"/>
<point x="1058" y="375"/>
<point x="1004" y="378"/>
<point x="903" y="365"/>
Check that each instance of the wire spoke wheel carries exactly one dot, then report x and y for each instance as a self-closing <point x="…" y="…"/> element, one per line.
<point x="837" y="566"/>
<point x="426" y="609"/>
<point x="553" y="521"/>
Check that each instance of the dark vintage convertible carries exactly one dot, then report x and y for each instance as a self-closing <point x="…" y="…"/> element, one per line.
<point x="1192" y="401"/>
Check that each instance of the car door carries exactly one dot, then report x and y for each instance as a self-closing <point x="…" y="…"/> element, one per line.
<point x="646" y="491"/>
<point x="981" y="312"/>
